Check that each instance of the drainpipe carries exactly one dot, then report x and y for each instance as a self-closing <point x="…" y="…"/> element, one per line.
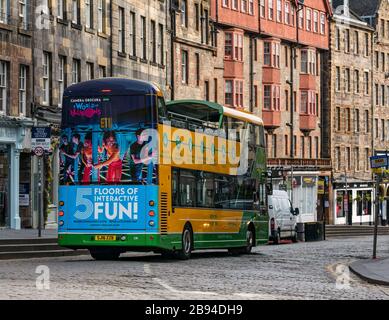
<point x="110" y="39"/>
<point x="172" y="36"/>
<point x="252" y="39"/>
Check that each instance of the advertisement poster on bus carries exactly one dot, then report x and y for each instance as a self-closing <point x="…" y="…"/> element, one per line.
<point x="103" y="141"/>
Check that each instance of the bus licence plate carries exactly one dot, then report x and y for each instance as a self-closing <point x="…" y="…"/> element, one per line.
<point x="105" y="238"/>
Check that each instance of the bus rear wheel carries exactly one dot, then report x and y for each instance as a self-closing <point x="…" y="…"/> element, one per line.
<point x="187" y="243"/>
<point x="101" y="254"/>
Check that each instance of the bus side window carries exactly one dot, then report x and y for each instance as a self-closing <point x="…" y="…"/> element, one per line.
<point x="175" y="182"/>
<point x="162" y="111"/>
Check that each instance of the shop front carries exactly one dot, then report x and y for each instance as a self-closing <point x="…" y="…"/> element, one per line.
<point x="14" y="173"/>
<point x="353" y="203"/>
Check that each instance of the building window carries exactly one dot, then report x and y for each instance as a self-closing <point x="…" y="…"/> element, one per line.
<point x="197" y="17"/>
<point x="228" y="45"/>
<point x="267" y="97"/>
<point x="348" y="158"/>
<point x="315" y="21"/>
<point x="262" y="9"/>
<point x="238" y="94"/>
<point x="286" y="144"/>
<point x="255" y="97"/>
<point x="61" y="78"/>
<point x="337" y="158"/>
<point x="184" y="14"/>
<point x="102" y="72"/>
<point x="286" y="100"/>
<point x="367" y="154"/>
<point x="366" y="82"/>
<point x="160" y="45"/>
<point x="61" y="5"/>
<point x="337" y="39"/>
<point x="347" y="79"/>
<point x="76" y="74"/>
<point x="197" y="69"/>
<point x="304" y="102"/>
<point x="225" y="3"/>
<point x="308" y="103"/>
<point x="356" y="42"/>
<point x="206" y="90"/>
<point x="133" y="33"/>
<point x="366" y="46"/>
<point x="302" y="146"/>
<point x="309" y="20"/>
<point x="279" y="11"/>
<point x="367" y="121"/>
<point x="377" y="97"/>
<point x="4" y="11"/>
<point x="308" y="62"/>
<point x="101" y="16"/>
<point x="23" y="89"/>
<point x="89" y="71"/>
<point x="3" y="86"/>
<point x="23" y="13"/>
<point x="377" y="60"/>
<point x="276" y="98"/>
<point x="89" y="13"/>
<point x="272" y="54"/>
<point x="337" y="80"/>
<point x="382" y="129"/>
<point x="348" y="119"/>
<point x="76" y="12"/>
<point x="121" y="31"/>
<point x="376" y="128"/>
<point x="383" y="61"/>
<point x="287" y="13"/>
<point x="251" y="7"/>
<point x="382" y="95"/>
<point x="301" y="19"/>
<point x="270" y="9"/>
<point x="184" y="67"/>
<point x="317" y="147"/>
<point x="243" y="5"/>
<point x="143" y="37"/>
<point x="356" y="81"/>
<point x="215" y="86"/>
<point x="347" y="40"/>
<point x="267" y="54"/>
<point x="153" y="41"/>
<point x="356" y="120"/>
<point x="274" y="145"/>
<point x="338" y="120"/>
<point x="229" y="94"/>
<point x="322" y="23"/>
<point x="46" y="64"/>
<point x="238" y="47"/>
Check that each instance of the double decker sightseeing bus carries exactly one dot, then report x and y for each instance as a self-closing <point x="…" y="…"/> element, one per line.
<point x="137" y="174"/>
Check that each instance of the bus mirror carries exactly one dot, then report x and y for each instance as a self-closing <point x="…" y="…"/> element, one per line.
<point x="296" y="212"/>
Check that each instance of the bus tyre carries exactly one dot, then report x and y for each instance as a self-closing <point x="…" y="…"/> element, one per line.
<point x="187" y="243"/>
<point x="104" y="254"/>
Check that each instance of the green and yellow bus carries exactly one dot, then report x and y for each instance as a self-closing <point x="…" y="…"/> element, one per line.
<point x="139" y="174"/>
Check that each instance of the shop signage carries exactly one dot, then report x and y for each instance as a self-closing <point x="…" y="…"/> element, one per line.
<point x="381" y="161"/>
<point x="320" y="187"/>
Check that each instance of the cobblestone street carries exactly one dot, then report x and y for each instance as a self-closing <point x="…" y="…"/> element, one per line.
<point x="288" y="271"/>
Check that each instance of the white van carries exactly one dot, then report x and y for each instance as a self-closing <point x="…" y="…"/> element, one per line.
<point x="282" y="217"/>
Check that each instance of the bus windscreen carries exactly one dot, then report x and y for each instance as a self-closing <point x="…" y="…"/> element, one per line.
<point x="101" y="141"/>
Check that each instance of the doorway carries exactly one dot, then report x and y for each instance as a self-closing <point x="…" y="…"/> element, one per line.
<point x="4" y="185"/>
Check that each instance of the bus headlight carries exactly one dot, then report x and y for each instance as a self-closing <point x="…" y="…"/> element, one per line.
<point x="151" y="203"/>
<point x="61" y="223"/>
<point x="61" y="203"/>
<point x="151" y="223"/>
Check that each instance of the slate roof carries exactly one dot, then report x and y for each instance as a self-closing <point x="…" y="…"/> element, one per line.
<point x="360" y="7"/>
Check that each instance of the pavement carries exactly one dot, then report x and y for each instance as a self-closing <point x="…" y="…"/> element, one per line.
<point x="6" y="234"/>
<point x="374" y="271"/>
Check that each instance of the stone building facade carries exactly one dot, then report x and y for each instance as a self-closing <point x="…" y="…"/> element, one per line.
<point x="15" y="113"/>
<point x="196" y="68"/>
<point x="294" y="48"/>
<point x="140" y="41"/>
<point x="351" y="116"/>
<point x="376" y="14"/>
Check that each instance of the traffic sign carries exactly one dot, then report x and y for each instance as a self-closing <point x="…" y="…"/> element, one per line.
<point x="379" y="161"/>
<point x="39" y="151"/>
<point x="40" y="140"/>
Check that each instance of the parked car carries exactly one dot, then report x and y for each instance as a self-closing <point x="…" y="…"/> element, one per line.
<point x="282" y="217"/>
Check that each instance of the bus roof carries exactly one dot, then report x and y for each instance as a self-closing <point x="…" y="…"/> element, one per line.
<point x="112" y="86"/>
<point x="233" y="113"/>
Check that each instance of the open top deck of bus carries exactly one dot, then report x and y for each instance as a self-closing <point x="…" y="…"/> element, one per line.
<point x="203" y="108"/>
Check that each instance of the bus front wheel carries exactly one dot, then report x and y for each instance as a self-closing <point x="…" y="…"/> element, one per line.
<point x="187" y="243"/>
<point x="99" y="254"/>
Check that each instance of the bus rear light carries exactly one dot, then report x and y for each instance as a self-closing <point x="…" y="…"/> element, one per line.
<point x="151" y="203"/>
<point x="61" y="203"/>
<point x="151" y="238"/>
<point x="61" y="213"/>
<point x="106" y="90"/>
<point x="151" y="213"/>
<point x="151" y="223"/>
